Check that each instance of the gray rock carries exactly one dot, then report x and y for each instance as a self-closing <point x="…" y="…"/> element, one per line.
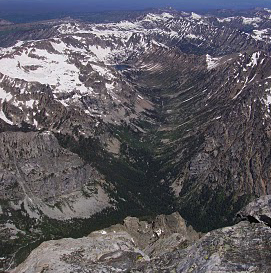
<point x="119" y="248"/>
<point x="243" y="247"/>
<point x="164" y="232"/>
<point x="40" y="180"/>
<point x="43" y="174"/>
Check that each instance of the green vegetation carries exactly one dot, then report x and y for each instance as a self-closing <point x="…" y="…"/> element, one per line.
<point x="219" y="209"/>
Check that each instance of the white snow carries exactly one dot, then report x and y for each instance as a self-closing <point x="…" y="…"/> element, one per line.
<point x="109" y="86"/>
<point x="101" y="53"/>
<point x="59" y="46"/>
<point x="268" y="99"/>
<point x="30" y="103"/>
<point x="159" y="232"/>
<point x="193" y="36"/>
<point x="254" y="59"/>
<point x="252" y="78"/>
<point x="50" y="68"/>
<point x="195" y="16"/>
<point x="159" y="44"/>
<point x="153" y="17"/>
<point x="69" y="28"/>
<point x="245" y="84"/>
<point x="251" y="21"/>
<point x="103" y="71"/>
<point x="227" y="19"/>
<point x="126" y="25"/>
<point x="4" y="96"/>
<point x="261" y="34"/>
<point x="167" y="15"/>
<point x="212" y="62"/>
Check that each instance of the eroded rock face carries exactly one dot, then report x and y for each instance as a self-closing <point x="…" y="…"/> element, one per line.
<point x="35" y="166"/>
<point x="40" y="180"/>
<point x="139" y="246"/>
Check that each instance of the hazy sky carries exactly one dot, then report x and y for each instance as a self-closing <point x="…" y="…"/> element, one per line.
<point x="99" y="5"/>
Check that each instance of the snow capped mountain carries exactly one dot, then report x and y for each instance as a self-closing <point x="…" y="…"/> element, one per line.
<point x="79" y="62"/>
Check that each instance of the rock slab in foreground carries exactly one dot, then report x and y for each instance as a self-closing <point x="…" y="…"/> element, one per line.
<point x="159" y="246"/>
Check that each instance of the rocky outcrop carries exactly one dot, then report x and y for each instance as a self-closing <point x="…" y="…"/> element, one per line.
<point x="258" y="211"/>
<point x="244" y="247"/>
<point x="119" y="248"/>
<point x="165" y="232"/>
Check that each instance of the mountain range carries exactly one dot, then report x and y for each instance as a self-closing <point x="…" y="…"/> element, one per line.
<point x="166" y="111"/>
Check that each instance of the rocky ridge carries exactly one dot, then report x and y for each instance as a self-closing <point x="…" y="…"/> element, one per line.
<point x="164" y="245"/>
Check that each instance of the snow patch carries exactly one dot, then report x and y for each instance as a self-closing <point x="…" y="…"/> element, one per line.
<point x="159" y="232"/>
<point x="262" y="34"/>
<point x="251" y="21"/>
<point x="4" y="96"/>
<point x="223" y="20"/>
<point x="267" y="100"/>
<point x="167" y="15"/>
<point x="193" y="36"/>
<point x="30" y="103"/>
<point x="254" y="59"/>
<point x="46" y="68"/>
<point x="196" y="16"/>
<point x="101" y="53"/>
<point x="103" y="71"/>
<point x="212" y="62"/>
<point x="109" y="86"/>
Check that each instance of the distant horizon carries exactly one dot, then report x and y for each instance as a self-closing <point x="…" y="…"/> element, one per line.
<point x="33" y="10"/>
<point x="43" y="6"/>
